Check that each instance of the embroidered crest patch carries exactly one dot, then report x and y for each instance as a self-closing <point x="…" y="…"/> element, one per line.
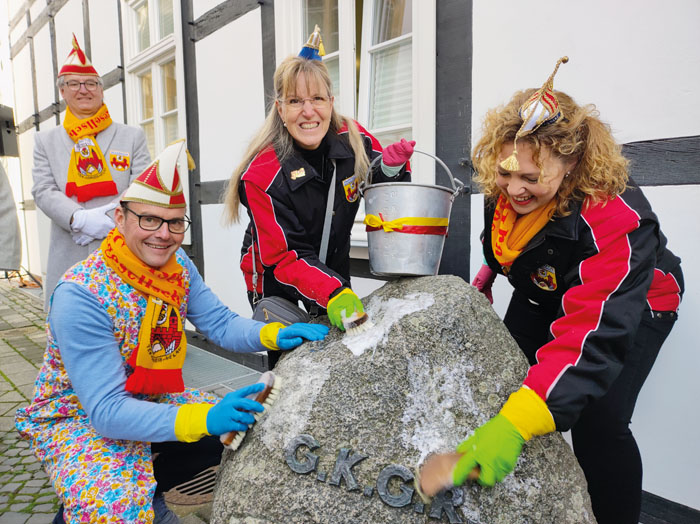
<point x="350" y="186"/>
<point x="545" y="278"/>
<point x="119" y="160"/>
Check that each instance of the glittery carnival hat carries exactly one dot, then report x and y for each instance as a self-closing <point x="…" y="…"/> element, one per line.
<point x="159" y="184"/>
<point x="542" y="108"/>
<point x="313" y="48"/>
<point x="77" y="63"/>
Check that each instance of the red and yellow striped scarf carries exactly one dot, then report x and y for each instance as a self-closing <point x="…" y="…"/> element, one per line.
<point x="158" y="358"/>
<point x="510" y="233"/>
<point x="88" y="172"/>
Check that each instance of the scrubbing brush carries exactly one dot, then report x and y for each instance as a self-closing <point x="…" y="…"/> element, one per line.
<point x="436" y="474"/>
<point x="357" y="323"/>
<point x="232" y="440"/>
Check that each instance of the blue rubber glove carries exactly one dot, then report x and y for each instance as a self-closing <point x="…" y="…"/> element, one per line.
<point x="292" y="336"/>
<point x="232" y="413"/>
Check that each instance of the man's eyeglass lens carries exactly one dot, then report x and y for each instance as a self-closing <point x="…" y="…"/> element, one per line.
<point x="298" y="103"/>
<point x="151" y="223"/>
<point x="90" y="85"/>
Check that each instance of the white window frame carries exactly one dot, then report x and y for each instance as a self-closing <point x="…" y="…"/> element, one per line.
<point x="150" y="60"/>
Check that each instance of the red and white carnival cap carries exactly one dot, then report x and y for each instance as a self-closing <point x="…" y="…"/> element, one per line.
<point x="77" y="62"/>
<point x="159" y="184"/>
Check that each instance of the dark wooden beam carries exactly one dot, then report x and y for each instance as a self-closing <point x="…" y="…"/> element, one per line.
<point x="269" y="57"/>
<point x="221" y="15"/>
<point x="453" y="123"/>
<point x="211" y="192"/>
<point x="658" y="510"/>
<point x="121" y="57"/>
<point x="664" y="162"/>
<point x="192" y="118"/>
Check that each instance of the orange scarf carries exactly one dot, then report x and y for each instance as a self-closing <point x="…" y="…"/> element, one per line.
<point x="510" y="233"/>
<point x="88" y="172"/>
<point x="158" y="358"/>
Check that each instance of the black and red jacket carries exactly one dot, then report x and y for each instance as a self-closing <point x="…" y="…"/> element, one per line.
<point x="592" y="274"/>
<point x="287" y="205"/>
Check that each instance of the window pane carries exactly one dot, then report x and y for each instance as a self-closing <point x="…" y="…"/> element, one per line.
<point x="325" y="14"/>
<point x="149" y="131"/>
<point x="142" y="21"/>
<point x="392" y="18"/>
<point x="169" y="86"/>
<point x="165" y="17"/>
<point x="391" y="91"/>
<point x="170" y="128"/>
<point x="334" y="72"/>
<point x="146" y="97"/>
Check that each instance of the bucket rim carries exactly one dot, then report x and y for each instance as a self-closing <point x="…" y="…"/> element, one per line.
<point x="411" y="184"/>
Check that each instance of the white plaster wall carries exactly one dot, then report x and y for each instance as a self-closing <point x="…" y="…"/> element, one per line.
<point x="639" y="62"/>
<point x="69" y="20"/>
<point x="44" y="68"/>
<point x="104" y="43"/>
<point x="231" y="109"/>
<point x="24" y="103"/>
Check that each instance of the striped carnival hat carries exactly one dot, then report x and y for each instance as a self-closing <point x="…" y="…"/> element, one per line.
<point x="159" y="184"/>
<point x="313" y="48"/>
<point x="542" y="108"/>
<point x="77" y="62"/>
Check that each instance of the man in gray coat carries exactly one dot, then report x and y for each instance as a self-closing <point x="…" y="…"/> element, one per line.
<point x="81" y="168"/>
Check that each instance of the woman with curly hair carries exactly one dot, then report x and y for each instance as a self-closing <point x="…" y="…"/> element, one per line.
<point x="596" y="291"/>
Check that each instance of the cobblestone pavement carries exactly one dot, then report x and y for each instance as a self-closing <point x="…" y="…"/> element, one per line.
<point x="26" y="495"/>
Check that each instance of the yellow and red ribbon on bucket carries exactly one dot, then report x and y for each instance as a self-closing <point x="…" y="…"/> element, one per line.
<point x="410" y="225"/>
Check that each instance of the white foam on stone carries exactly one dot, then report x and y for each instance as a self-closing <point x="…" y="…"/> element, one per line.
<point x="384" y="314"/>
<point x="428" y="422"/>
<point x="289" y="414"/>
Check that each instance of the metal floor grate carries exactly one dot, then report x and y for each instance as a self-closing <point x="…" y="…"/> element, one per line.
<point x="204" y="370"/>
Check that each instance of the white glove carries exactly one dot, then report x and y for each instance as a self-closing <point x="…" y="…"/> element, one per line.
<point x="93" y="222"/>
<point x="82" y="240"/>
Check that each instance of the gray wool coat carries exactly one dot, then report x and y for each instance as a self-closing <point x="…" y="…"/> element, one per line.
<point x="52" y="151"/>
<point x="10" y="247"/>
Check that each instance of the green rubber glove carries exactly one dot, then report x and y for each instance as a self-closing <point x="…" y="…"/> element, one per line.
<point x="344" y="302"/>
<point x="494" y="447"/>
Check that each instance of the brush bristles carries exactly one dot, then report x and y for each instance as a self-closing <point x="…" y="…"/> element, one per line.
<point x="266" y="397"/>
<point x="357" y="323"/>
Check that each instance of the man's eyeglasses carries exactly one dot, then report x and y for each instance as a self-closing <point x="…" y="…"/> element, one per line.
<point x="90" y="85"/>
<point x="152" y="223"/>
<point x="297" y="103"/>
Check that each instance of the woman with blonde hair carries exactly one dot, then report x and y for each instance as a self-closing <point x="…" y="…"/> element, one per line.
<point x="596" y="291"/>
<point x="305" y="154"/>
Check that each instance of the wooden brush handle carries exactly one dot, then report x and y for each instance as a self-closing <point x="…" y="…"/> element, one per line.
<point x="267" y="378"/>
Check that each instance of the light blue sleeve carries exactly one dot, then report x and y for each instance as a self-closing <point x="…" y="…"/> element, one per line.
<point x="221" y="325"/>
<point x="85" y="336"/>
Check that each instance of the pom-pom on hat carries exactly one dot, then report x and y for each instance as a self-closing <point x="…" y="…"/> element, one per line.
<point x="541" y="109"/>
<point x="77" y="62"/>
<point x="313" y="48"/>
<point x="159" y="184"/>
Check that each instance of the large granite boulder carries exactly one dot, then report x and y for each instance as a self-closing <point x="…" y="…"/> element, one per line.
<point x="356" y="414"/>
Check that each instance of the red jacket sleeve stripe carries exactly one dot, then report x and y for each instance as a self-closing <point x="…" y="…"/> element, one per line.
<point x="665" y="293"/>
<point x="600" y="275"/>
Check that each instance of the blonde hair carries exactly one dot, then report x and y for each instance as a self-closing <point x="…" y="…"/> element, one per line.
<point x="600" y="170"/>
<point x="273" y="133"/>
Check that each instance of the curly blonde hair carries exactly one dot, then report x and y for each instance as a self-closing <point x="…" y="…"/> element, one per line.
<point x="274" y="134"/>
<point x="600" y="171"/>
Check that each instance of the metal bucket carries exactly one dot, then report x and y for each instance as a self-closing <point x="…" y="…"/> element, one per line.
<point x="407" y="224"/>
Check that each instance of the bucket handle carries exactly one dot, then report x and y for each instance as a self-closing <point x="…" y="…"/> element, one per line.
<point x="457" y="185"/>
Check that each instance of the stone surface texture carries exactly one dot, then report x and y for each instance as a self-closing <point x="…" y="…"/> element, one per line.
<point x="437" y="364"/>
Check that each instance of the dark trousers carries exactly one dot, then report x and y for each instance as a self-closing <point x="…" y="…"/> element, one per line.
<point x="602" y="439"/>
<point x="178" y="462"/>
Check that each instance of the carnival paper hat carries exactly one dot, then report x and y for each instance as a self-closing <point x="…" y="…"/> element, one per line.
<point x="159" y="184"/>
<point x="313" y="48"/>
<point x="542" y="108"/>
<point x="77" y="63"/>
